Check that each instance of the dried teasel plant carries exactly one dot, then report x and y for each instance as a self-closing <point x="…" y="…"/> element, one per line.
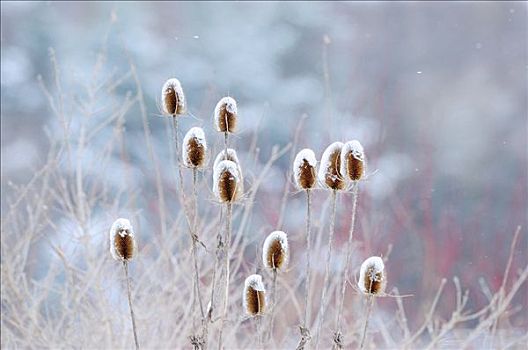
<point x="254" y="300"/>
<point x="353" y="161"/>
<point x="225" y="118"/>
<point x="230" y="154"/>
<point x="305" y="178"/>
<point x="194" y="148"/>
<point x="330" y="178"/>
<point x="123" y="248"/>
<point x="353" y="166"/>
<point x="172" y="98"/>
<point x="227" y="189"/>
<point x="372" y="282"/>
<point x="275" y="256"/>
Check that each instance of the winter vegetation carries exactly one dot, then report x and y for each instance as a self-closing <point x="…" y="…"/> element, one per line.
<point x="178" y="220"/>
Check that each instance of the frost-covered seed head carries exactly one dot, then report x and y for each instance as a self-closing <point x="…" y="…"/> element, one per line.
<point x="122" y="243"/>
<point x="254" y="296"/>
<point x="372" y="276"/>
<point x="353" y="161"/>
<point x="226" y="181"/>
<point x="172" y="98"/>
<point x="232" y="156"/>
<point x="225" y="115"/>
<point x="194" y="148"/>
<point x="329" y="175"/>
<point x="275" y="252"/>
<point x="304" y="169"/>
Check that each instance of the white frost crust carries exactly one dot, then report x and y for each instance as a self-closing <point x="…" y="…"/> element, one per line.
<point x="356" y="148"/>
<point x="194" y="133"/>
<point x="122" y="227"/>
<point x="219" y="169"/>
<point x="175" y="84"/>
<point x="282" y="237"/>
<point x="231" y="107"/>
<point x="325" y="162"/>
<point x="374" y="262"/>
<point x="304" y="154"/>
<point x="221" y="156"/>
<point x="255" y="282"/>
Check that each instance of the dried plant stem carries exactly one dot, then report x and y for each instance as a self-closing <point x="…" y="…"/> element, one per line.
<point x="226" y="271"/>
<point x="125" y="267"/>
<point x="194" y="245"/>
<point x="338" y="335"/>
<point x="226" y="143"/>
<point x="273" y="303"/>
<point x="327" y="270"/>
<point x="370" y="301"/>
<point x="258" y="321"/>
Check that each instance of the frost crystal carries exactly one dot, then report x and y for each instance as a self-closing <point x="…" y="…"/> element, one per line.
<point x="231" y="155"/>
<point x="372" y="266"/>
<point x="303" y="155"/>
<point x="198" y="135"/>
<point x="326" y="162"/>
<point x="282" y="239"/>
<point x="255" y="282"/>
<point x="175" y="85"/>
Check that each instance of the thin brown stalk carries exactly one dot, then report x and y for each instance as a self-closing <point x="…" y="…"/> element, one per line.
<point x="226" y="272"/>
<point x="273" y="303"/>
<point x="322" y="309"/>
<point x="370" y="301"/>
<point x="134" y="329"/>
<point x="338" y="335"/>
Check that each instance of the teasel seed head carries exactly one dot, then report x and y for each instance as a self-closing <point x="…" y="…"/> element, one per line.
<point x="172" y="98"/>
<point x="225" y="115"/>
<point x="329" y="174"/>
<point x="353" y="162"/>
<point x="305" y="169"/>
<point x="227" y="181"/>
<point x="122" y="242"/>
<point x="275" y="252"/>
<point x="254" y="295"/>
<point x="372" y="276"/>
<point x="194" y="148"/>
<point x="232" y="156"/>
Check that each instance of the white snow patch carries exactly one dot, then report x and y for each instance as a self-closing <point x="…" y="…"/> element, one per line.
<point x="221" y="156"/>
<point x="325" y="162"/>
<point x="255" y="282"/>
<point x="280" y="236"/>
<point x="123" y="227"/>
<point x="356" y="149"/>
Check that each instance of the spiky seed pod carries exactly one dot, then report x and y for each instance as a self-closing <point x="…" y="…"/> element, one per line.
<point x="172" y="98"/>
<point x="353" y="163"/>
<point x="225" y="115"/>
<point x="122" y="243"/>
<point x="275" y="252"/>
<point x="254" y="296"/>
<point x="329" y="175"/>
<point x="232" y="156"/>
<point x="194" y="148"/>
<point x="372" y="276"/>
<point x="226" y="181"/>
<point x="304" y="169"/>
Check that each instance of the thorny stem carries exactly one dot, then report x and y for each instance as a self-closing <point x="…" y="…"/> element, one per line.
<point x="273" y="303"/>
<point x="226" y="268"/>
<point x="327" y="270"/>
<point x="125" y="266"/>
<point x="337" y="336"/>
<point x="370" y="301"/>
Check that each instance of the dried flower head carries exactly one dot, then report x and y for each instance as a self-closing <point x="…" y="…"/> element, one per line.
<point x="227" y="181"/>
<point x="304" y="169"/>
<point x="232" y="156"/>
<point x="353" y="161"/>
<point x="329" y="175"/>
<point x="254" y="296"/>
<point x="225" y="115"/>
<point x="172" y="98"/>
<point x="194" y="148"/>
<point x="275" y="252"/>
<point x="372" y="277"/>
<point x="122" y="243"/>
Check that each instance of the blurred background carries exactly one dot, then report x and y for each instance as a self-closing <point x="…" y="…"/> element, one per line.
<point x="436" y="93"/>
